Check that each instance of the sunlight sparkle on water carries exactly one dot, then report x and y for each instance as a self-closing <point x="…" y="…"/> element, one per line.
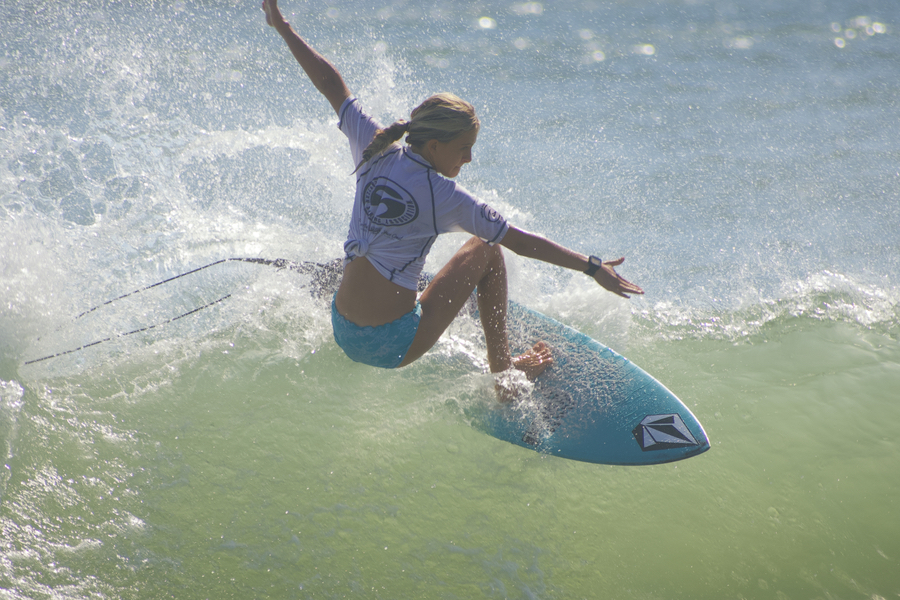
<point x="528" y="8"/>
<point x="859" y="27"/>
<point x="487" y="23"/>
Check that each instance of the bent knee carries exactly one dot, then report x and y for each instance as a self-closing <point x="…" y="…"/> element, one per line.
<point x="495" y="253"/>
<point x="478" y="245"/>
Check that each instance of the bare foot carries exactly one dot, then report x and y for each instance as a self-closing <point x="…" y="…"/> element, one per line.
<point x="531" y="364"/>
<point x="535" y="361"/>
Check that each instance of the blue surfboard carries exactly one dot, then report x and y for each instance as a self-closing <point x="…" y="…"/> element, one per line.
<point x="592" y="405"/>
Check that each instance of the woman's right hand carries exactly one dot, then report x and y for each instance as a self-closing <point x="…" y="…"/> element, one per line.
<point x="273" y="15"/>
<point x="321" y="72"/>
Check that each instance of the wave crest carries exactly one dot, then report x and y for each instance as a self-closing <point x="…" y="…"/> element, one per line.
<point x="822" y="296"/>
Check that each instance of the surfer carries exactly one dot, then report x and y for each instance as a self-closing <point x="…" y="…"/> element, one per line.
<point x="405" y="197"/>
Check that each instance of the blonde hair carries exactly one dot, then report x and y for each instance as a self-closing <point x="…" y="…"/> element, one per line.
<point x="441" y="117"/>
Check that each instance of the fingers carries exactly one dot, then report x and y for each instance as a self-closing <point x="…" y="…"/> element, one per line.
<point x="270" y="7"/>
<point x="629" y="287"/>
<point x="626" y="286"/>
<point x="615" y="283"/>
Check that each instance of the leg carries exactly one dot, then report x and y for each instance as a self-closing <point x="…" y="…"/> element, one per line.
<point x="481" y="265"/>
<point x="492" y="306"/>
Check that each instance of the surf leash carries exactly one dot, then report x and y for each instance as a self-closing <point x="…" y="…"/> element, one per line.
<point x="324" y="276"/>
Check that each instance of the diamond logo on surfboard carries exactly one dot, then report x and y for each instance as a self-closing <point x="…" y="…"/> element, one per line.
<point x="660" y="432"/>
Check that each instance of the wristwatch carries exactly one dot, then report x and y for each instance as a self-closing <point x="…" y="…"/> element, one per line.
<point x="594" y="265"/>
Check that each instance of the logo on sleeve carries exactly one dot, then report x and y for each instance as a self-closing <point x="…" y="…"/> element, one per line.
<point x="490" y="214"/>
<point x="388" y="204"/>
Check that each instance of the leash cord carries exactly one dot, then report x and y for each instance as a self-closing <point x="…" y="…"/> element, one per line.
<point x="322" y="274"/>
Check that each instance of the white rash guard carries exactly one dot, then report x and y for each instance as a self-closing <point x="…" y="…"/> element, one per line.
<point x="402" y="204"/>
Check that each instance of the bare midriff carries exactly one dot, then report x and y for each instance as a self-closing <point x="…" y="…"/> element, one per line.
<point x="367" y="298"/>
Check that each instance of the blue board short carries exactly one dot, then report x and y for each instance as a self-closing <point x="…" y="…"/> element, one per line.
<point x="384" y="346"/>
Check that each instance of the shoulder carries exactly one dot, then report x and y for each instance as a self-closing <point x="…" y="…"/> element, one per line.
<point x="352" y="116"/>
<point x="441" y="185"/>
<point x="358" y="126"/>
<point x="452" y="190"/>
<point x="350" y="105"/>
<point x="351" y="111"/>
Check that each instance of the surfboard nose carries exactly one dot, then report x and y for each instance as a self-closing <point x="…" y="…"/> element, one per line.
<point x="594" y="405"/>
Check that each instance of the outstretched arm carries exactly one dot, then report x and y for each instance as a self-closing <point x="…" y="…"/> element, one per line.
<point x="531" y="245"/>
<point x="321" y="72"/>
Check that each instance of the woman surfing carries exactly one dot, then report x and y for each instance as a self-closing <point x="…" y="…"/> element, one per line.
<point x="405" y="198"/>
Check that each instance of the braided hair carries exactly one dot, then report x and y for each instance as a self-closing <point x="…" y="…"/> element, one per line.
<point x="441" y="117"/>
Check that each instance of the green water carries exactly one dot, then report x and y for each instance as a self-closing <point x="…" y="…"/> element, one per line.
<point x="742" y="156"/>
<point x="201" y="474"/>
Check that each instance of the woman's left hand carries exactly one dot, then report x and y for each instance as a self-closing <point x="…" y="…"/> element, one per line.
<point x="607" y="277"/>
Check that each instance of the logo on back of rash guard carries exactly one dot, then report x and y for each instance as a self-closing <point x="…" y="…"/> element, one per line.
<point x="388" y="204"/>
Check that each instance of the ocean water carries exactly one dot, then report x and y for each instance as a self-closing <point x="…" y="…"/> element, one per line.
<point x="743" y="157"/>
